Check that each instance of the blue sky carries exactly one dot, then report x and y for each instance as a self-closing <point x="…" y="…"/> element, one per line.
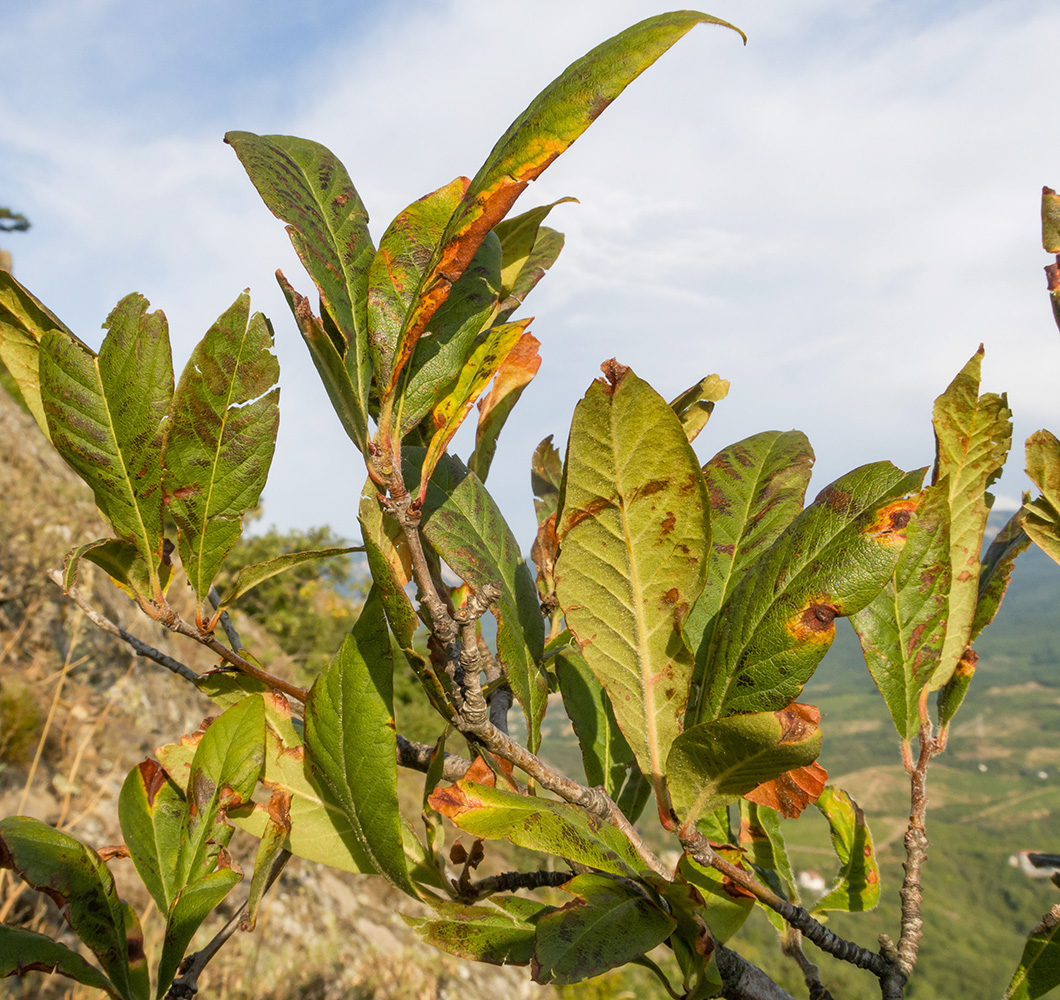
<point x="833" y="217"/>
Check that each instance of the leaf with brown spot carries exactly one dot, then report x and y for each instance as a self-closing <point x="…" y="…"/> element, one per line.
<point x="1042" y="516"/>
<point x="973" y="433"/>
<point x="756" y="489"/>
<point x="832" y="560"/>
<point x="71" y="873"/>
<point x="304" y="184"/>
<point x="633" y="530"/>
<point x="23" y="951"/>
<point x="717" y="762"/>
<point x="791" y="792"/>
<point x="609" y="923"/>
<point x="903" y="629"/>
<point x="219" y="439"/>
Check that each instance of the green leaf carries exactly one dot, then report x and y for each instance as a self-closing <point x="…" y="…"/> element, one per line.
<point x="194" y="903"/>
<point x="320" y="830"/>
<point x="24" y="320"/>
<point x="23" y="951"/>
<point x="350" y="739"/>
<point x="105" y="414"/>
<point x="1039" y="968"/>
<point x="695" y="405"/>
<point x="220" y="438"/>
<point x="903" y="629"/>
<point x="250" y="576"/>
<point x="73" y="876"/>
<point x="326" y="352"/>
<point x="306" y="186"/>
<point x="972" y="438"/>
<point x="1042" y="517"/>
<point x="606" y="755"/>
<point x="763" y="843"/>
<point x="726" y="906"/>
<point x="388" y="562"/>
<point x="546" y="479"/>
<point x="470" y="309"/>
<point x="857" y="886"/>
<point x="464" y="525"/>
<point x="121" y="561"/>
<point x="832" y="560"/>
<point x="513" y="376"/>
<point x="756" y="489"/>
<point x="634" y="530"/>
<point x="714" y="763"/>
<point x="538" y="824"/>
<point x="228" y="761"/>
<point x="153" y="814"/>
<point x="484" y="933"/>
<point x="1050" y="221"/>
<point x="397" y="280"/>
<point x="608" y="924"/>
<point x="998" y="564"/>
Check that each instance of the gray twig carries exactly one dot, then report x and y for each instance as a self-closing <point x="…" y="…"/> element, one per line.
<point x="141" y="648"/>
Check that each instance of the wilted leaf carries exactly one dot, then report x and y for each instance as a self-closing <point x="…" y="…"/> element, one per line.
<point x="791" y="792"/>
<point x="514" y="375"/>
<point x="105" y="414"/>
<point x="1039" y="968"/>
<point x="350" y="739"/>
<point x="832" y="560"/>
<point x="763" y="844"/>
<point x="972" y="438"/>
<point x="996" y="572"/>
<point x="633" y="528"/>
<point x="538" y="824"/>
<point x="220" y="438"/>
<point x="487" y="356"/>
<point x="608" y="924"/>
<point x="857" y="886"/>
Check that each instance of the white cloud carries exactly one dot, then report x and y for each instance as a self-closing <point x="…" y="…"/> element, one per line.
<point x="832" y="217"/>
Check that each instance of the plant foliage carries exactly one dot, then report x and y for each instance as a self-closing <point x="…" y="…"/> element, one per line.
<point x="679" y="606"/>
